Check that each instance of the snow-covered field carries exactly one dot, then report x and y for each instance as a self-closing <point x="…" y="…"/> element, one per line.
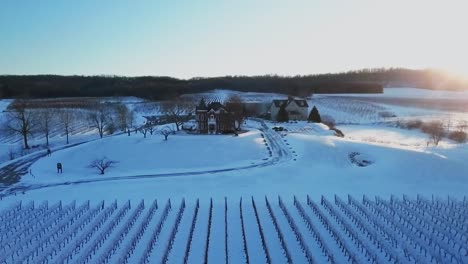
<point x="414" y="93"/>
<point x="142" y="156"/>
<point x="222" y="95"/>
<point x="310" y="161"/>
<point x="307" y="161"/>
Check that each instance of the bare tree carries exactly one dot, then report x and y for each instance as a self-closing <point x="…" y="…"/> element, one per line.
<point x="102" y="164"/>
<point x="21" y="121"/>
<point x="67" y="119"/>
<point x="148" y="127"/>
<point x="177" y="110"/>
<point x="151" y="129"/>
<point x="435" y="130"/>
<point x="235" y="104"/>
<point x="166" y="131"/>
<point x="131" y="121"/>
<point x="121" y="111"/>
<point x="125" y="118"/>
<point x="11" y="153"/>
<point x="449" y="123"/>
<point x="45" y="119"/>
<point x="101" y="118"/>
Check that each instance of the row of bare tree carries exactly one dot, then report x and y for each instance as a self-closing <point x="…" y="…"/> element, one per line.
<point x="24" y="122"/>
<point x="106" y="118"/>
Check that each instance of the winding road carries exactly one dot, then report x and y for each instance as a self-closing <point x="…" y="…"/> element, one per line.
<point x="279" y="153"/>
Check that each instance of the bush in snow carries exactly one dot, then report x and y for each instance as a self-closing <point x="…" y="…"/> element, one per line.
<point x="355" y="158"/>
<point x="412" y="124"/>
<point x="111" y="128"/>
<point x="329" y="121"/>
<point x="458" y="136"/>
<point x="435" y="130"/>
<point x="386" y="114"/>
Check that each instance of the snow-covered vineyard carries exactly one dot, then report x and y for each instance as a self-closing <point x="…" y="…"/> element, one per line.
<point x="334" y="230"/>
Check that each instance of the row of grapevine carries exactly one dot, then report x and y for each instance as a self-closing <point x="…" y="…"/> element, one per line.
<point x="22" y="244"/>
<point x="121" y="234"/>
<point x="368" y="231"/>
<point x="97" y="242"/>
<point x="315" y="233"/>
<point x="277" y="227"/>
<point x="71" y="233"/>
<point x="43" y="247"/>
<point x="22" y="222"/>
<point x="154" y="236"/>
<point x="130" y="247"/>
<point x="355" y="235"/>
<point x="192" y="228"/>
<point x="393" y="230"/>
<point x="246" y="251"/>
<point x="85" y="235"/>
<point x="216" y="251"/>
<point x="297" y="233"/>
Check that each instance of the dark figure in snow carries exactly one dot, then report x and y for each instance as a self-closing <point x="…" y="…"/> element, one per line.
<point x="49" y="152"/>
<point x="59" y="167"/>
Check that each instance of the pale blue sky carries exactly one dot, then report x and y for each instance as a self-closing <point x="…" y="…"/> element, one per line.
<point x="212" y="38"/>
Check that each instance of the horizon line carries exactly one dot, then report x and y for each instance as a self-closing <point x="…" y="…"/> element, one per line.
<point x="238" y="75"/>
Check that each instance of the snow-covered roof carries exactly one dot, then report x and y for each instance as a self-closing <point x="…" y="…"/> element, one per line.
<point x="215" y="106"/>
<point x="299" y="102"/>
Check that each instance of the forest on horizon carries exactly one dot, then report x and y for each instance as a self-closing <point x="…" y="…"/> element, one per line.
<point x="161" y="87"/>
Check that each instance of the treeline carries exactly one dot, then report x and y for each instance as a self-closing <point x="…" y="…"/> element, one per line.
<point x="160" y="88"/>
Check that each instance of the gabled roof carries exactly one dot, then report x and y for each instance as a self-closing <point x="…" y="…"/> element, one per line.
<point x="215" y="106"/>
<point x="201" y="105"/>
<point x="279" y="103"/>
<point x="299" y="102"/>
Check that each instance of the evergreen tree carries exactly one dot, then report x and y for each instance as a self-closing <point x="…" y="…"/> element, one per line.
<point x="283" y="115"/>
<point x="314" y="116"/>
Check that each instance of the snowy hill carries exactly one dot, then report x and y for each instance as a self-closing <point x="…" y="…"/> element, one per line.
<point x="142" y="156"/>
<point x="221" y="95"/>
<point x="375" y="157"/>
<point x="409" y="92"/>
